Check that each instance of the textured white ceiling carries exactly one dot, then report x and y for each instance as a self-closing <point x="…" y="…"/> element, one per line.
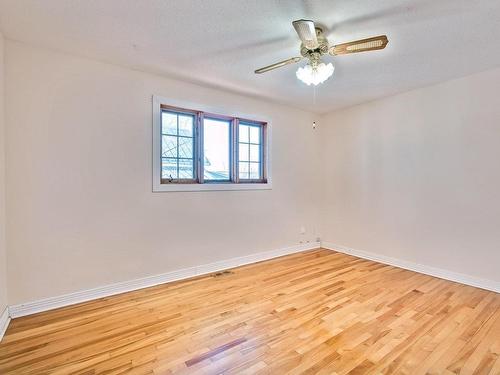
<point x="221" y="42"/>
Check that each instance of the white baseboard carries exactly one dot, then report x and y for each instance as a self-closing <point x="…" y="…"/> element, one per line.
<point x="4" y="322"/>
<point x="127" y="286"/>
<point x="491" y="285"/>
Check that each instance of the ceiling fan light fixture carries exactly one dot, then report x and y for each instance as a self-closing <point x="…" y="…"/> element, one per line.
<point x="315" y="74"/>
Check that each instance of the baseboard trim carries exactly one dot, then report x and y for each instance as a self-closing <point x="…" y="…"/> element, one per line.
<point x="4" y="322"/>
<point x="461" y="278"/>
<point x="51" y="303"/>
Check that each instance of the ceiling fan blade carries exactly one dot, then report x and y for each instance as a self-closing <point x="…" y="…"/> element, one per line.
<point x="307" y="33"/>
<point x="362" y="45"/>
<point x="278" y="65"/>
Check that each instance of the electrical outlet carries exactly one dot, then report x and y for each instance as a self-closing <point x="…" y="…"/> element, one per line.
<point x="302" y="230"/>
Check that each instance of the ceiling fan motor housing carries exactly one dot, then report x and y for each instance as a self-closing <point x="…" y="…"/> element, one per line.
<point x="322" y="48"/>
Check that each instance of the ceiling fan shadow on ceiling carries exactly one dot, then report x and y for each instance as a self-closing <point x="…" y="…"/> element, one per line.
<point x="314" y="44"/>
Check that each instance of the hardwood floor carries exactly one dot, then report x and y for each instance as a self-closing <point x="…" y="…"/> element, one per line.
<point x="317" y="312"/>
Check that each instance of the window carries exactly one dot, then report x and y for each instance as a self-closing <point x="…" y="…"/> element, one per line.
<point x="200" y="150"/>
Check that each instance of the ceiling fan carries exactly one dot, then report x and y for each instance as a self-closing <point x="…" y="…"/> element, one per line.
<point x="314" y="45"/>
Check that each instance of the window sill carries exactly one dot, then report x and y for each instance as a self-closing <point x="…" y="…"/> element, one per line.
<point x="210" y="187"/>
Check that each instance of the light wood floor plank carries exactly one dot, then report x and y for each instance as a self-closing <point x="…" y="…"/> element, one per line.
<point x="316" y="312"/>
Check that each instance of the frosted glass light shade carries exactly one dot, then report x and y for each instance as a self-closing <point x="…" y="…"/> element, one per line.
<point x="317" y="75"/>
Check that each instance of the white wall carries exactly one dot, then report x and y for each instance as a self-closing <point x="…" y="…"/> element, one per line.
<point x="414" y="177"/>
<point x="3" y="255"/>
<point x="81" y="212"/>
<point x="417" y="176"/>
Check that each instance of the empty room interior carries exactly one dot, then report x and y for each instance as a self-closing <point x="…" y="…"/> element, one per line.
<point x="250" y="187"/>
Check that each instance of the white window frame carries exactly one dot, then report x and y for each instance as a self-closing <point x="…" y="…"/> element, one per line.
<point x="158" y="101"/>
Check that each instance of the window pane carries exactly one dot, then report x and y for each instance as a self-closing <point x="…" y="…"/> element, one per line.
<point x="244" y="133"/>
<point x="216" y="149"/>
<point x="169" y="146"/>
<point x="169" y="123"/>
<point x="250" y="152"/>
<point x="254" y="134"/>
<point x="168" y="168"/>
<point x="244" y="168"/>
<point x="255" y="153"/>
<point x="185" y="147"/>
<point x="254" y="171"/>
<point x="186" y="125"/>
<point x="186" y="168"/>
<point x="243" y="151"/>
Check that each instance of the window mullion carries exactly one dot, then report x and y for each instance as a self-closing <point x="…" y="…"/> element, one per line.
<point x="265" y="153"/>
<point x="234" y="154"/>
<point x="200" y="156"/>
<point x="177" y="147"/>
